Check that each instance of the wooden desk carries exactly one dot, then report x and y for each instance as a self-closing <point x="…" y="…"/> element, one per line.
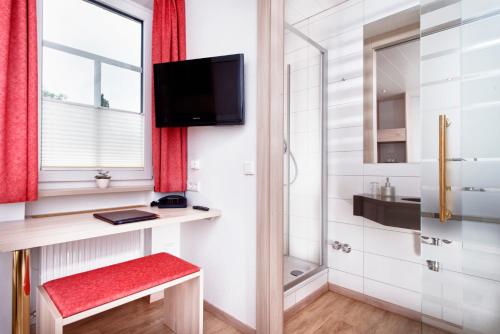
<point x="36" y="232"/>
<point x="20" y="235"/>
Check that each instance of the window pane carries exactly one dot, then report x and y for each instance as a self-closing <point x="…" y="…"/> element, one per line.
<point x="120" y="88"/>
<point x="86" y="137"/>
<point x="67" y="77"/>
<point x="89" y="27"/>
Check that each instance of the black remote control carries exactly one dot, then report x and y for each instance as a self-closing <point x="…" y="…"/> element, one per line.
<point x="199" y="207"/>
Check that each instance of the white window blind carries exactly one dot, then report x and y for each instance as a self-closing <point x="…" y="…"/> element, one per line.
<point x="78" y="136"/>
<point x="92" y="88"/>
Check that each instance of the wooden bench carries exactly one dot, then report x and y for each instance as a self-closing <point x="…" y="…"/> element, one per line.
<point x="76" y="297"/>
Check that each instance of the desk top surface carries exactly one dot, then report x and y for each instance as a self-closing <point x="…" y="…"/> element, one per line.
<point x="36" y="232"/>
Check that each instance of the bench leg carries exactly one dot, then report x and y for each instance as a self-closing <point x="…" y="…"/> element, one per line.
<point x="47" y="322"/>
<point x="183" y="307"/>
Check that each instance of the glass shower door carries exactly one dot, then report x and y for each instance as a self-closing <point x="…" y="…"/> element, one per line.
<point x="460" y="85"/>
<point x="304" y="148"/>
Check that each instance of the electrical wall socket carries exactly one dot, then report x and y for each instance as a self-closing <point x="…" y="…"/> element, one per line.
<point x="193" y="186"/>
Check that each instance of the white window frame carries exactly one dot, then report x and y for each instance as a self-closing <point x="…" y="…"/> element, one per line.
<point x="57" y="175"/>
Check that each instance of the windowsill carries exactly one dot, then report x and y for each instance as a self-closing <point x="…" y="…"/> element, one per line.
<point x="92" y="190"/>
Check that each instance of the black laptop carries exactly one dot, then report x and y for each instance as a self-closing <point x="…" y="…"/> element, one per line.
<point x="125" y="216"/>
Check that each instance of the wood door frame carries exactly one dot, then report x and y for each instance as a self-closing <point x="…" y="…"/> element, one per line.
<point x="270" y="125"/>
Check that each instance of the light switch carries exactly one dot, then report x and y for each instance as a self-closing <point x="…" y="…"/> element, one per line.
<point x="194" y="164"/>
<point x="248" y="168"/>
<point x="193" y="186"/>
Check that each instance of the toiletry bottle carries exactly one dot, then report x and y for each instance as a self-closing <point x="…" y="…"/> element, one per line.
<point x="387" y="190"/>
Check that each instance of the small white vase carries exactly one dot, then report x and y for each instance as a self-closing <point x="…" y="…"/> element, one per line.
<point x="102" y="183"/>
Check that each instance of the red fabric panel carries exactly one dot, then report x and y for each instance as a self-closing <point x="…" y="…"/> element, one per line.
<point x="169" y="144"/>
<point x="77" y="293"/>
<point x="18" y="101"/>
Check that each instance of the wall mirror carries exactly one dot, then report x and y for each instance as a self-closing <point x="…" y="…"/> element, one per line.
<point x="391" y="97"/>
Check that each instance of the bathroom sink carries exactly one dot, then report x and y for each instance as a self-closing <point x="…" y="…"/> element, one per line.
<point x="411" y="199"/>
<point x="397" y="211"/>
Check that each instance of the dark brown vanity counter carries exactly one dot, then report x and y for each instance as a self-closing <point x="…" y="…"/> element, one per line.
<point x="398" y="211"/>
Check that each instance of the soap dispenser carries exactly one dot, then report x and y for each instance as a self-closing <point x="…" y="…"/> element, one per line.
<point x="387" y="190"/>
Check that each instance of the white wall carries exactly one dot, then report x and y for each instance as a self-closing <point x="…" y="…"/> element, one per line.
<point x="225" y="248"/>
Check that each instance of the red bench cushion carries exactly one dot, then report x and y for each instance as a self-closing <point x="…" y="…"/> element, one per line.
<point x="77" y="293"/>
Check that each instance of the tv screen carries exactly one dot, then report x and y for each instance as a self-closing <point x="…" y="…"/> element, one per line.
<point x="207" y="91"/>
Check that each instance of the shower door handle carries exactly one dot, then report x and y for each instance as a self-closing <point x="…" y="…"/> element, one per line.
<point x="444" y="212"/>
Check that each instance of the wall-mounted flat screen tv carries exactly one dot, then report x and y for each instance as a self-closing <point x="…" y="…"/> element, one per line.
<point x="207" y="91"/>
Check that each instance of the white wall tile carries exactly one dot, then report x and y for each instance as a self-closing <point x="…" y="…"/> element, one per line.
<point x="335" y="21"/>
<point x="345" y="115"/>
<point x="392" y="294"/>
<point x="311" y="287"/>
<point x="405" y="186"/>
<point x="374" y="10"/>
<point x="340" y="210"/>
<point x="345" y="139"/>
<point x="404" y="246"/>
<point x="348" y="91"/>
<point x="345" y="44"/>
<point x="440" y="96"/>
<point x="346" y="234"/>
<point x="475" y="8"/>
<point x="344" y="186"/>
<point x="440" y="68"/>
<point x="403" y="274"/>
<point x="348" y="262"/>
<point x="306" y="228"/>
<point x="347" y="67"/>
<point x="346" y="280"/>
<point x="440" y="16"/>
<point x="345" y="163"/>
<point x="446" y="40"/>
<point x="392" y="169"/>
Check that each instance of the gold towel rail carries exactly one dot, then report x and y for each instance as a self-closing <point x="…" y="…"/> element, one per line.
<point x="444" y="212"/>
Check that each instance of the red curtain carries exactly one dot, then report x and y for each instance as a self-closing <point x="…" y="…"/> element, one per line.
<point x="18" y="101"/>
<point x="169" y="144"/>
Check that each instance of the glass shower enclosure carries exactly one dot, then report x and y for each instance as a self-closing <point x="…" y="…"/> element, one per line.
<point x="305" y="161"/>
<point x="460" y="97"/>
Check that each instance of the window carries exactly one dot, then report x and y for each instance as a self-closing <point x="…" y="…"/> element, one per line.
<point x="94" y="113"/>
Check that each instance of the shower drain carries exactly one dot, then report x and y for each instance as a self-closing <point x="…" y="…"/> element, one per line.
<point x="296" y="272"/>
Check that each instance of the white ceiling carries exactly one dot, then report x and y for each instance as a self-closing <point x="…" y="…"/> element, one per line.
<point x="398" y="69"/>
<point x="145" y="3"/>
<point x="298" y="10"/>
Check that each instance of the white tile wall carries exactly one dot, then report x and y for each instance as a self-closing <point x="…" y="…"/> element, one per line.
<point x="305" y="145"/>
<point x="394" y="295"/>
<point x="346" y="280"/>
<point x="400" y="245"/>
<point x="402" y="274"/>
<point x="340" y="210"/>
<point x="349" y="234"/>
<point x="389" y="256"/>
<point x="347" y="262"/>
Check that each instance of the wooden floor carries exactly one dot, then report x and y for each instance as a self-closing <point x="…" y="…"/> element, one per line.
<point x="334" y="313"/>
<point x="330" y="313"/>
<point x="139" y="317"/>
